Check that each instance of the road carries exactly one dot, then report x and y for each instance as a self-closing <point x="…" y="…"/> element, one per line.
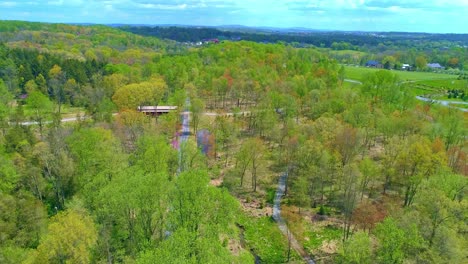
<point x="282" y="224"/>
<point x="444" y="103"/>
<point x="184" y="133"/>
<point x="352" y="81"/>
<point x="64" y="120"/>
<point x="185" y="119"/>
<point x="244" y="113"/>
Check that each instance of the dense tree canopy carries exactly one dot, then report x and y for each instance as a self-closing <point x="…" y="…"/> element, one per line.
<point x="373" y="175"/>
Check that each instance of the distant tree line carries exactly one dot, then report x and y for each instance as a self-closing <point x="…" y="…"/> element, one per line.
<point x="319" y="39"/>
<point x="18" y="66"/>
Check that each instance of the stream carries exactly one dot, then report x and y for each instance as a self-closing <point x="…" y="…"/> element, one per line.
<point x="282" y="224"/>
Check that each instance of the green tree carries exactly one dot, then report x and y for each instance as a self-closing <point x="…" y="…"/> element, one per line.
<point x="133" y="207"/>
<point x="40" y="107"/>
<point x="415" y="162"/>
<point x="370" y="173"/>
<point x="389" y="62"/>
<point x="98" y="156"/>
<point x="58" y="168"/>
<point x="23" y="222"/>
<point x="190" y="156"/>
<point x="197" y="106"/>
<point x="421" y="62"/>
<point x="300" y="192"/>
<point x="155" y="155"/>
<point x="30" y="86"/>
<point x="71" y="238"/>
<point x="381" y="86"/>
<point x="5" y="106"/>
<point x="138" y="94"/>
<point x="252" y="154"/>
<point x="356" y="250"/>
<point x="226" y="133"/>
<point x="200" y="216"/>
<point x="395" y="244"/>
<point x="41" y="83"/>
<point x="57" y="79"/>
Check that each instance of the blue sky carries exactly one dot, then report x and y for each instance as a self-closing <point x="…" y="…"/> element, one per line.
<point x="442" y="16"/>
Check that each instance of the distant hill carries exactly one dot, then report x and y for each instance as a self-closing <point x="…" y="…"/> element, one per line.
<point x="291" y="35"/>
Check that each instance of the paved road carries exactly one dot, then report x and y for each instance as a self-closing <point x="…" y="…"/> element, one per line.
<point x="282" y="224"/>
<point x="227" y="114"/>
<point x="184" y="133"/>
<point x="64" y="120"/>
<point x="185" y="119"/>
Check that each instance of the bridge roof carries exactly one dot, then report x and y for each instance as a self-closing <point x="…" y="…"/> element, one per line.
<point x="157" y="109"/>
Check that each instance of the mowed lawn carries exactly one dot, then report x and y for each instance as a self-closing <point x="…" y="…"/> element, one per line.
<point x="359" y="73"/>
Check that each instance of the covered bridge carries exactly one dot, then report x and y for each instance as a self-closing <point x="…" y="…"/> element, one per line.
<point x="156" y="110"/>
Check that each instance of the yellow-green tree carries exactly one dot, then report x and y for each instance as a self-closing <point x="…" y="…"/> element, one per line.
<point x="421" y="62"/>
<point x="145" y="93"/>
<point x="40" y="107"/>
<point x="71" y="236"/>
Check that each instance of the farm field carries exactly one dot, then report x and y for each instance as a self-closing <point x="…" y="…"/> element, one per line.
<point x="358" y="73"/>
<point x="446" y="84"/>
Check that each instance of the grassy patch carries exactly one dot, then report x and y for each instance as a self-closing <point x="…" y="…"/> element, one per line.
<point x="313" y="239"/>
<point x="358" y="73"/>
<point x="350" y="85"/>
<point x="69" y="111"/>
<point x="347" y="52"/>
<point x="66" y="111"/>
<point x="421" y="91"/>
<point x="263" y="236"/>
<point x="445" y="84"/>
<point x="313" y="235"/>
<point x="271" y="192"/>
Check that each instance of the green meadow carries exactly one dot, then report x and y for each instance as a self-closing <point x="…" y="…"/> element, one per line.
<point x="359" y="73"/>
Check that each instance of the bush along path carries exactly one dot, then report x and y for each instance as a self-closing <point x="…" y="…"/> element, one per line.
<point x="293" y="243"/>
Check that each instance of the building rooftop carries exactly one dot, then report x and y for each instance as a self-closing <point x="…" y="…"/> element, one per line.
<point x="157" y="109"/>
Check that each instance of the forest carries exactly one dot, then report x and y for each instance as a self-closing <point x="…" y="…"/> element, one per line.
<point x="397" y="47"/>
<point x="371" y="173"/>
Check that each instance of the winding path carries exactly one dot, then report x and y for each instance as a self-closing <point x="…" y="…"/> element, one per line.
<point x="444" y="103"/>
<point x="282" y="224"/>
<point x="352" y="81"/>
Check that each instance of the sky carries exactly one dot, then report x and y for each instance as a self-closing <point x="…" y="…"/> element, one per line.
<point x="434" y="16"/>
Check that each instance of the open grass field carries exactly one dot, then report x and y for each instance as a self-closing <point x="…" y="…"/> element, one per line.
<point x="346" y="52"/>
<point x="67" y="111"/>
<point x="359" y="73"/>
<point x="446" y="84"/>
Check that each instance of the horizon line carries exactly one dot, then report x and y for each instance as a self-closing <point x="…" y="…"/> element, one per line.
<point x="236" y="25"/>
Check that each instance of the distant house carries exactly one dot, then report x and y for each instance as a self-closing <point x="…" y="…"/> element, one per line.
<point x="435" y="66"/>
<point x="373" y="64"/>
<point x="406" y="67"/>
